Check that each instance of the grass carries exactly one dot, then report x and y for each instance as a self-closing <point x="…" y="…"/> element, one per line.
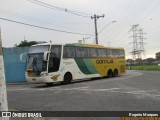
<point x="145" y="67"/>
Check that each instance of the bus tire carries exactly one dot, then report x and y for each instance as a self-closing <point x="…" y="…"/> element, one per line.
<point x="49" y="84"/>
<point x="115" y="73"/>
<point x="67" y="78"/>
<point x="109" y="73"/>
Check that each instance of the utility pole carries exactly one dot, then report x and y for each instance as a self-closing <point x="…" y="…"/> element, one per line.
<point x="0" y="44"/>
<point x="3" y="94"/>
<point x="96" y="17"/>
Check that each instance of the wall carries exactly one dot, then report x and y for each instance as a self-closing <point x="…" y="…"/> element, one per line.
<point x="14" y="68"/>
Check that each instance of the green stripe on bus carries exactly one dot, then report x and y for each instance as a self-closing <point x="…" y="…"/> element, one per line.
<point x="86" y="66"/>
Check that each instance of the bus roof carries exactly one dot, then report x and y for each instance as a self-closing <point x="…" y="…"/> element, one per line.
<point x="91" y="45"/>
<point x="80" y="44"/>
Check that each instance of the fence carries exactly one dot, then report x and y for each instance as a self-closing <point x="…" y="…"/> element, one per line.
<point x="14" y="68"/>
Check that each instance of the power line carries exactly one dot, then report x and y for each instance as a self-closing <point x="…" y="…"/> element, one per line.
<point x="58" y="8"/>
<point x="106" y="26"/>
<point x="133" y="5"/>
<point x="138" y="15"/>
<point x="44" y="27"/>
<point x="33" y="18"/>
<point x="66" y="10"/>
<point x="26" y="17"/>
<point x="46" y="21"/>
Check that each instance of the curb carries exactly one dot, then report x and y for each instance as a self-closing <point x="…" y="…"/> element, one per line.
<point x="18" y="83"/>
<point x="21" y="83"/>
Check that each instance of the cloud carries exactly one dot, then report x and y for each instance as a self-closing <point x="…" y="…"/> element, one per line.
<point x="125" y="12"/>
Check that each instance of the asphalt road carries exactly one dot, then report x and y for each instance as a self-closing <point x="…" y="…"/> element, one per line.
<point x="134" y="91"/>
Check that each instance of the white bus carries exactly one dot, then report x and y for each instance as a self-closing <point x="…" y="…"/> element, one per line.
<point x="49" y="63"/>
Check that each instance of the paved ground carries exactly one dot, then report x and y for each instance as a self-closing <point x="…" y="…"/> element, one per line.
<point x="130" y="92"/>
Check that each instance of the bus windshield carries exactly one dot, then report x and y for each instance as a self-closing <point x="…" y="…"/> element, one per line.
<point x="35" y="62"/>
<point x="39" y="49"/>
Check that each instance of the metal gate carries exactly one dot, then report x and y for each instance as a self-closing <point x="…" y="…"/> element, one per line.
<point x="14" y="68"/>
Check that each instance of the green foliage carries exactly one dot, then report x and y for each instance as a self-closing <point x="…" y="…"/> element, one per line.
<point x="158" y="56"/>
<point x="26" y="43"/>
<point x="150" y="60"/>
<point x="130" y="60"/>
<point x="145" y="67"/>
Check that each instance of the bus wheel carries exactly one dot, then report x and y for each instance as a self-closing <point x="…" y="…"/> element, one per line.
<point x="109" y="74"/>
<point x="115" y="73"/>
<point x="67" y="78"/>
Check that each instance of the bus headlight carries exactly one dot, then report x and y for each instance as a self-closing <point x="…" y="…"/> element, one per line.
<point x="44" y="74"/>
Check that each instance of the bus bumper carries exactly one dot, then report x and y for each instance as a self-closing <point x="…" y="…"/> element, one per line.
<point x="36" y="79"/>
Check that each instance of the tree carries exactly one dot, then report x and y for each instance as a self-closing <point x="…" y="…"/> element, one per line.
<point x="130" y="61"/>
<point x="26" y="43"/>
<point x="138" y="61"/>
<point x="144" y="61"/>
<point x="150" y="60"/>
<point x="158" y="56"/>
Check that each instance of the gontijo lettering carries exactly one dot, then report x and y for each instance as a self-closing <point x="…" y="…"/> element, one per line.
<point x="104" y="61"/>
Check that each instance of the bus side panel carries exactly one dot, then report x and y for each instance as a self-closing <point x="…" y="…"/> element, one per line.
<point x="102" y="65"/>
<point x="79" y="68"/>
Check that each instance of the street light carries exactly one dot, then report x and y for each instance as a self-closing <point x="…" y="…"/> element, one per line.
<point x="85" y="39"/>
<point x="106" y="26"/>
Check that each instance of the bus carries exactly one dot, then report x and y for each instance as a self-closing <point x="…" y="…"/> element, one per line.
<point x="49" y="63"/>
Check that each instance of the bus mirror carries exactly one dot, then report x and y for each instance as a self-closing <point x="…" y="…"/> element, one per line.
<point x="45" y="56"/>
<point x="23" y="57"/>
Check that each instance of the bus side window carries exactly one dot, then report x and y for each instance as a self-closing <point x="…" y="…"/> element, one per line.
<point x="54" y="60"/>
<point x="69" y="52"/>
<point x="109" y="53"/>
<point x="121" y="53"/>
<point x="102" y="53"/>
<point x="56" y="49"/>
<point x="116" y="53"/>
<point x="93" y="52"/>
<point x="99" y="52"/>
<point x="65" y="53"/>
<point x="81" y="52"/>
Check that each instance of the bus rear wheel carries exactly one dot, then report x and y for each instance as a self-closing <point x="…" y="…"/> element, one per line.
<point x="115" y="73"/>
<point x="109" y="74"/>
<point x="67" y="78"/>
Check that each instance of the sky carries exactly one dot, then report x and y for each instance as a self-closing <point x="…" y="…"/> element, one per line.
<point x="57" y="17"/>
